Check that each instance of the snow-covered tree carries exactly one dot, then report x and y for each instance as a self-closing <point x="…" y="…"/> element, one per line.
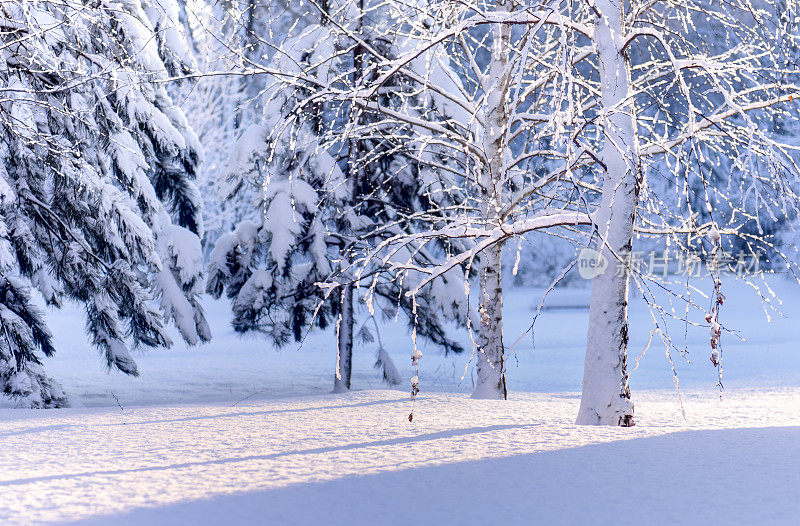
<point x="323" y="198"/>
<point x="98" y="204"/>
<point x="484" y="127"/>
<point x="572" y="108"/>
<point x="709" y="95"/>
<point x="222" y="100"/>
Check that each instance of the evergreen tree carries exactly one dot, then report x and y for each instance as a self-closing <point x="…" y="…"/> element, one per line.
<point x="97" y="202"/>
<point x="227" y="36"/>
<point x="325" y="202"/>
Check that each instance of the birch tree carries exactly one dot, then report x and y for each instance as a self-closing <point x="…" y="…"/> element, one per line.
<point x="483" y="126"/>
<point x="709" y="95"/>
<point x="570" y="136"/>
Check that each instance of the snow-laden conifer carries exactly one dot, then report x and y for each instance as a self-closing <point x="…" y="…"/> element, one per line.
<point x="324" y="198"/>
<point x="98" y="201"/>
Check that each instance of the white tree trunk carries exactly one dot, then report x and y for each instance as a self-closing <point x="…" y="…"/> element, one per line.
<point x="491" y="381"/>
<point x="606" y="396"/>
<point x="344" y="343"/>
<point x="490" y="360"/>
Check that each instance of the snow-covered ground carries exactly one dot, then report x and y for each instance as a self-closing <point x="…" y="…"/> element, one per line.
<point x="354" y="459"/>
<point x="231" y="368"/>
<point x="236" y="432"/>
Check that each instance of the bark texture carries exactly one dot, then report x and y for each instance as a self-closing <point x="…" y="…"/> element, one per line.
<point x="344" y="343"/>
<point x="491" y="382"/>
<point x="606" y="397"/>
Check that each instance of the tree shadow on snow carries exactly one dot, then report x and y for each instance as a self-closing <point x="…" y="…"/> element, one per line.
<point x="232" y="460"/>
<point x="733" y="476"/>
<point x="237" y="414"/>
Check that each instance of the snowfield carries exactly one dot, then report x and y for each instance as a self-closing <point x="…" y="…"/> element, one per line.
<point x="234" y="432"/>
<point x="306" y="163"/>
<point x="355" y="459"/>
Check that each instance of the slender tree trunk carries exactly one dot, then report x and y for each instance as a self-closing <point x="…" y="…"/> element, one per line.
<point x="354" y="172"/>
<point x="606" y="396"/>
<point x="344" y="343"/>
<point x="490" y="357"/>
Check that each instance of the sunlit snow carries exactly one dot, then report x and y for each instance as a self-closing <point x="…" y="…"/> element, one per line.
<point x="335" y="459"/>
<point x="236" y="432"/>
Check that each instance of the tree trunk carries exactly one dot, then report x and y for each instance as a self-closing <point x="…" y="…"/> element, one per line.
<point x="344" y="343"/>
<point x="490" y="356"/>
<point x="344" y="334"/>
<point x="606" y="396"/>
